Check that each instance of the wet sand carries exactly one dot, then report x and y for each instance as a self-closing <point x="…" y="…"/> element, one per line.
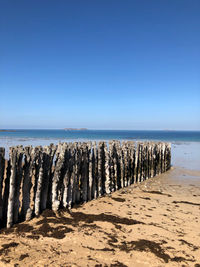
<point x="155" y="223"/>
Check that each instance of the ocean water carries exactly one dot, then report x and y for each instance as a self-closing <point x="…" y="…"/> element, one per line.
<point x="185" y="144"/>
<point x="191" y="136"/>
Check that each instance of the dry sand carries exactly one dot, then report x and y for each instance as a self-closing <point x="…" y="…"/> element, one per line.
<point x="156" y="223"/>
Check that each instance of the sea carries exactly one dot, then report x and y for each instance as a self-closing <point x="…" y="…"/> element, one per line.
<point x="185" y="144"/>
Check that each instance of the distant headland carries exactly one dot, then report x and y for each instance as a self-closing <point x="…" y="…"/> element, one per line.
<point x="75" y="129"/>
<point x="7" y="130"/>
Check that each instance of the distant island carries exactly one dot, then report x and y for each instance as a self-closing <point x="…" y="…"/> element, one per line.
<point x="75" y="129"/>
<point x="7" y="130"/>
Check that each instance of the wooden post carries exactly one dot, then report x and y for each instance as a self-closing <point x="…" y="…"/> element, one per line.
<point x="78" y="173"/>
<point x="160" y="158"/>
<point x="39" y="182"/>
<point x="75" y="174"/>
<point x="107" y="172"/>
<point x="85" y="173"/>
<point x="13" y="162"/>
<point x="129" y="169"/>
<point x="26" y="187"/>
<point x="132" y="162"/>
<point x="152" y="159"/>
<point x="66" y="179"/>
<point x="90" y="152"/>
<point x="168" y="156"/>
<point x="117" y="167"/>
<point x="145" y="160"/>
<point x="18" y="179"/>
<point x="6" y="193"/>
<point x="99" y="179"/>
<point x="139" y="162"/>
<point x="48" y="157"/>
<point x="71" y="176"/>
<point x="94" y="170"/>
<point x="2" y="167"/>
<point x="122" y="165"/>
<point x="111" y="169"/>
<point x="60" y="153"/>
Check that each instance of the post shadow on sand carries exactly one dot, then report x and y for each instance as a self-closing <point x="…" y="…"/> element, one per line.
<point x="64" y="225"/>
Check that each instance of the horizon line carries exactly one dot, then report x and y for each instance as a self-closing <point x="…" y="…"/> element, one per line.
<point x="92" y="129"/>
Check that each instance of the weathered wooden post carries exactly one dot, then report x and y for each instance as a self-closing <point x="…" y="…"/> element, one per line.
<point x="152" y="160"/>
<point x="159" y="157"/>
<point x="43" y="179"/>
<point x="99" y="177"/>
<point x="90" y="151"/>
<point x="136" y="164"/>
<point x="168" y="156"/>
<point x="26" y="187"/>
<point x="95" y="170"/>
<point x="75" y="175"/>
<point x="139" y="162"/>
<point x="132" y="161"/>
<point x="13" y="160"/>
<point x="39" y="181"/>
<point x="66" y="179"/>
<point x="115" y="160"/>
<point x="48" y="157"/>
<point x="2" y="167"/>
<point x="126" y="163"/>
<point x="6" y="192"/>
<point x="60" y="153"/>
<point x="74" y="180"/>
<point x="18" y="179"/>
<point x="107" y="172"/>
<point x="129" y="167"/>
<point x="103" y="170"/>
<point x="78" y="173"/>
<point x="111" y="169"/>
<point x="148" y="160"/>
<point x="148" y="149"/>
<point x="85" y="173"/>
<point x="162" y="157"/>
<point x="71" y="176"/>
<point x="145" y="161"/>
<point x="34" y="179"/>
<point x="117" y="166"/>
<point x="122" y="176"/>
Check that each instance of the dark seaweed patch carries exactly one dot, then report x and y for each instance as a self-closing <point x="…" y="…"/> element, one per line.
<point x="187" y="202"/>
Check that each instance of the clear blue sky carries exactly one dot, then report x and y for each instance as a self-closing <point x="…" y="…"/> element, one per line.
<point x="103" y="64"/>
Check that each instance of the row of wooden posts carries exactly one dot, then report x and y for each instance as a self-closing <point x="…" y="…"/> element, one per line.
<point x="59" y="176"/>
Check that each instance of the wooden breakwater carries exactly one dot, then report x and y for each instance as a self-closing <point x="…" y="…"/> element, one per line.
<point x="59" y="176"/>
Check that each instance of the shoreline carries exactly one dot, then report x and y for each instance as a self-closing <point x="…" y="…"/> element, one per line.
<point x="149" y="224"/>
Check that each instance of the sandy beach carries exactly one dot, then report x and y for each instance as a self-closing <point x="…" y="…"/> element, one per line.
<point x="155" y="223"/>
